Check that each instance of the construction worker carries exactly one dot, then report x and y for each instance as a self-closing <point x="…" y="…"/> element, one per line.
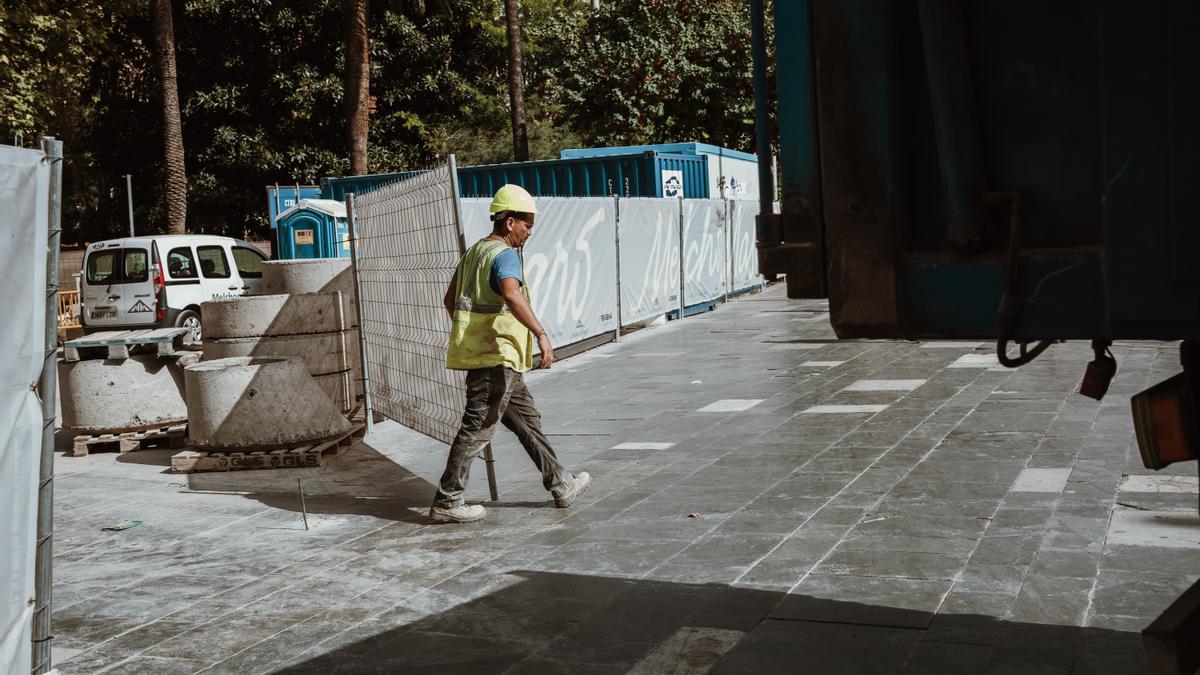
<point x="491" y="338"/>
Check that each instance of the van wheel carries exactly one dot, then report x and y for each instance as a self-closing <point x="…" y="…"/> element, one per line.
<point x="189" y="319"/>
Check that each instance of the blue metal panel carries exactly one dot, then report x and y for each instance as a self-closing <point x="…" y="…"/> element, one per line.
<point x="283" y="197"/>
<point x="338" y="188"/>
<point x="674" y="148"/>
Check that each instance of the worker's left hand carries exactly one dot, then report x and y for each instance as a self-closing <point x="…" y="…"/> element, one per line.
<point x="547" y="351"/>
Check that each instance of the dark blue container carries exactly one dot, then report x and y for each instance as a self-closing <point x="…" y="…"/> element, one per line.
<point x="998" y="168"/>
<point x="644" y="174"/>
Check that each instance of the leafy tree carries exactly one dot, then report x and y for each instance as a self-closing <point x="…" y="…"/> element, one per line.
<point x="175" y="178"/>
<point x="653" y="71"/>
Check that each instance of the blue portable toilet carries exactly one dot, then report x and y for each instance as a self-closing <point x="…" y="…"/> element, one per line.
<point x="313" y="228"/>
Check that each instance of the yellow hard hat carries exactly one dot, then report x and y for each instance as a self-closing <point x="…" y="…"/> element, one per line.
<point x="513" y="198"/>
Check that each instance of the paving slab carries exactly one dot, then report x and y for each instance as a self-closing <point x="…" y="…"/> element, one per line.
<point x="801" y="505"/>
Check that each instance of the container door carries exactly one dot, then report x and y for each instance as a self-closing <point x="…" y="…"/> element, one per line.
<point x="138" y="302"/>
<point x="303" y="229"/>
<point x="102" y="287"/>
<point x="249" y="266"/>
<point x="216" y="276"/>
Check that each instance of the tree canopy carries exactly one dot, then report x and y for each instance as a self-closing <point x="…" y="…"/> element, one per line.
<point x="261" y="89"/>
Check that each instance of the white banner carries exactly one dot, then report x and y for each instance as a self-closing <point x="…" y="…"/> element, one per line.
<point x="745" y="253"/>
<point x="24" y="213"/>
<point x="649" y="258"/>
<point x="570" y="263"/>
<point x="706" y="250"/>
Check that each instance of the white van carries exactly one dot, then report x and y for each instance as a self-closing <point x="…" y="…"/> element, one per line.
<point x="159" y="281"/>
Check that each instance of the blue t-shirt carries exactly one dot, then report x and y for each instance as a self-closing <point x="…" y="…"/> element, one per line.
<point x="506" y="265"/>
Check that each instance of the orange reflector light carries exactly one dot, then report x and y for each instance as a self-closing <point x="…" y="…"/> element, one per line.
<point x="1164" y="422"/>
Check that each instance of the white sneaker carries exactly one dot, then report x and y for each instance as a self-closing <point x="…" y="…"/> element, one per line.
<point x="462" y="513"/>
<point x="582" y="480"/>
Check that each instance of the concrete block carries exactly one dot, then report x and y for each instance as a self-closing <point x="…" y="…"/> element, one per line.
<point x="339" y="387"/>
<point x="273" y="315"/>
<point x="258" y="403"/>
<point x="319" y="275"/>
<point x="323" y="353"/>
<point x="140" y="392"/>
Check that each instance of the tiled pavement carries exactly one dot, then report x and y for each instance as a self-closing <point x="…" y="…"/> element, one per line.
<point x="766" y="499"/>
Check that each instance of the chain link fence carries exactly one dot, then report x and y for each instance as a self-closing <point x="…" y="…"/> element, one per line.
<point x="408" y="243"/>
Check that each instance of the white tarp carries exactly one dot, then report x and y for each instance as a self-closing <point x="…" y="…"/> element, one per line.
<point x="706" y="250"/>
<point x="570" y="263"/>
<point x="24" y="210"/>
<point x="649" y="258"/>
<point x="745" y="254"/>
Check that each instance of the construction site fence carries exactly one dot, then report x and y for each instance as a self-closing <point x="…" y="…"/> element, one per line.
<point x="593" y="266"/>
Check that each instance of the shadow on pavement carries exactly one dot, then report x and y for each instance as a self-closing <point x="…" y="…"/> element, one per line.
<point x="359" y="482"/>
<point x="564" y="623"/>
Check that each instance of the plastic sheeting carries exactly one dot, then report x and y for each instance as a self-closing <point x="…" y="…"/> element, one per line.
<point x="570" y="263"/>
<point x="706" y="250"/>
<point x="744" y="269"/>
<point x="649" y="258"/>
<point x="24" y="210"/>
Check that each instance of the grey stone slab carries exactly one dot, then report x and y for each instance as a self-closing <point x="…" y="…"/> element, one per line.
<point x="908" y="603"/>
<point x="805" y="646"/>
<point x="938" y="658"/>
<point x="883" y="563"/>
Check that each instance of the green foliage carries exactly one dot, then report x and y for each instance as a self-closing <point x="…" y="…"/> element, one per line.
<point x="653" y="71"/>
<point x="260" y="84"/>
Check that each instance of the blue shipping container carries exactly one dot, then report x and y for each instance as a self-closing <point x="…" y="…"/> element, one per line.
<point x="280" y="198"/>
<point x="646" y="174"/>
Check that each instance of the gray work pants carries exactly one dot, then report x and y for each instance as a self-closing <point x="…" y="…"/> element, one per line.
<point x="496" y="395"/>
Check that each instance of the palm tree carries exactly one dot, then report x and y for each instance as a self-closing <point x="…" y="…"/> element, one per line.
<point x="516" y="93"/>
<point x="357" y="83"/>
<point x="174" y="168"/>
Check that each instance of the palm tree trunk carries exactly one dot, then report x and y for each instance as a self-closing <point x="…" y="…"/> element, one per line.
<point x="516" y="87"/>
<point x="358" y="83"/>
<point x="174" y="167"/>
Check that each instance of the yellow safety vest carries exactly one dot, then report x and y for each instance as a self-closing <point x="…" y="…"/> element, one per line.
<point x="484" y="333"/>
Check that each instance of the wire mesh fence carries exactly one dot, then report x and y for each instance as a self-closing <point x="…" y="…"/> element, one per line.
<point x="408" y="245"/>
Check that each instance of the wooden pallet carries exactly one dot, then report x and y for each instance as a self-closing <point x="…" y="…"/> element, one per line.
<point x="115" y="344"/>
<point x="299" y="457"/>
<point x="172" y="436"/>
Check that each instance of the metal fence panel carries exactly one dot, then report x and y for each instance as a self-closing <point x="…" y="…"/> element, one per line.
<point x="649" y="258"/>
<point x="408" y="246"/>
<point x="706" y="250"/>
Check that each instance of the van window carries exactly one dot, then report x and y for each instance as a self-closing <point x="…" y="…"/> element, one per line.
<point x="180" y="264"/>
<point x="212" y="262"/>
<point x="249" y="262"/>
<point x="136" y="266"/>
<point x="102" y="267"/>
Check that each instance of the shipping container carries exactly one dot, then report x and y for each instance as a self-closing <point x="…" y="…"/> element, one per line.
<point x="283" y="197"/>
<point x="338" y="188"/>
<point x="732" y="174"/>
<point x="313" y="228"/>
<point x="644" y="174"/>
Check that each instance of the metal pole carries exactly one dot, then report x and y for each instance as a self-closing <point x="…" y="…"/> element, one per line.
<point x="129" y="194"/>
<point x="48" y="391"/>
<point x="351" y="227"/>
<point x="728" y="205"/>
<point x="682" y="258"/>
<point x="489" y="460"/>
<point x="617" y="241"/>
<point x="762" y="132"/>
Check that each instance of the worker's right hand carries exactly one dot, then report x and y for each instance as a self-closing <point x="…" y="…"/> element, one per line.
<point x="546" y="349"/>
